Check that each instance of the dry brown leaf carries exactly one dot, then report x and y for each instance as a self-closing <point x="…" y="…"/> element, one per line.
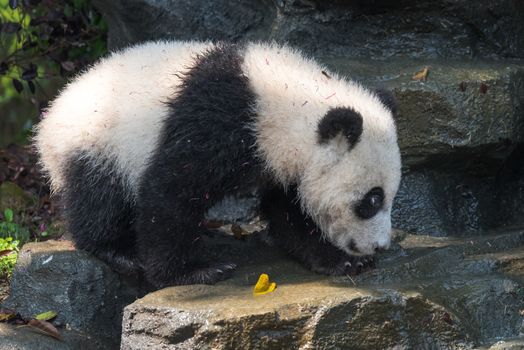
<point x="6" y="314"/>
<point x="44" y="327"/>
<point x="421" y="75"/>
<point x="213" y="224"/>
<point x="6" y="252"/>
<point x="237" y="230"/>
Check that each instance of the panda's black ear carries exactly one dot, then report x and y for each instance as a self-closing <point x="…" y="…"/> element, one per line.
<point x="345" y="121"/>
<point x="387" y="98"/>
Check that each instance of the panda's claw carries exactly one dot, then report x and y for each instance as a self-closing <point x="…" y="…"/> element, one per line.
<point x="210" y="274"/>
<point x="347" y="265"/>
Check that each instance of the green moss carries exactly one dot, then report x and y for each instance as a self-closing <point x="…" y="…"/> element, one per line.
<point x="8" y="256"/>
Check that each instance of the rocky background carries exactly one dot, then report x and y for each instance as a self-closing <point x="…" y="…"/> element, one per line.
<point x="455" y="278"/>
<point x="460" y="127"/>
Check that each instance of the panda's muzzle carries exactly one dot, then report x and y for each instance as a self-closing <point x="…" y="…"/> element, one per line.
<point x="352" y="246"/>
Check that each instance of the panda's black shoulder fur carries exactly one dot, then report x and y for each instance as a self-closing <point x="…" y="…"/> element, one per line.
<point x="207" y="140"/>
<point x="206" y="150"/>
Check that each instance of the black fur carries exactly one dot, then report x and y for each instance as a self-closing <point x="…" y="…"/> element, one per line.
<point x="301" y="238"/>
<point x="370" y="204"/>
<point x="340" y="120"/>
<point x="205" y="152"/>
<point x="98" y="214"/>
<point x="388" y="99"/>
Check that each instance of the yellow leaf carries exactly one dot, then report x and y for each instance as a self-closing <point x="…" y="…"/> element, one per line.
<point x="46" y="316"/>
<point x="6" y="317"/>
<point x="422" y="75"/>
<point x="263" y="285"/>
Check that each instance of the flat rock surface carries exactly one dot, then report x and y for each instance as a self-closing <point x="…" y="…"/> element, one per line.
<point x="24" y="338"/>
<point x="428" y="293"/>
<point x="408" y="28"/>
<point x="461" y="136"/>
<point x="460" y="105"/>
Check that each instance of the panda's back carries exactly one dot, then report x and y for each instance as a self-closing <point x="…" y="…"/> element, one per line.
<point x="114" y="110"/>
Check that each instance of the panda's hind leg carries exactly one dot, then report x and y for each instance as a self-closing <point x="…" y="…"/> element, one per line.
<point x="98" y="213"/>
<point x="169" y="238"/>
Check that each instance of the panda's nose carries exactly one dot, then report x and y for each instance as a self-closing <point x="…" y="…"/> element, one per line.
<point x="379" y="249"/>
<point x="353" y="246"/>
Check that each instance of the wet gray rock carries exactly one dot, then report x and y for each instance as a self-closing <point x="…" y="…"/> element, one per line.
<point x="511" y="344"/>
<point x="364" y="29"/>
<point x="460" y="131"/>
<point x="428" y="292"/>
<point x="461" y="134"/>
<point x="463" y="107"/>
<point x="136" y="21"/>
<point x="235" y="209"/>
<point x="87" y="295"/>
<point x="16" y="338"/>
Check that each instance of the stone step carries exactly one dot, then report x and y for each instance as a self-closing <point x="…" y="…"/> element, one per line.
<point x="85" y="293"/>
<point x="463" y="107"/>
<point x="377" y="29"/>
<point x="24" y="338"/>
<point x="461" y="134"/>
<point x="425" y="308"/>
<point x="428" y="292"/>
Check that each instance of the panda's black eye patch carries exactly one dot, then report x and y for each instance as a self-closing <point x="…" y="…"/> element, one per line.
<point x="370" y="205"/>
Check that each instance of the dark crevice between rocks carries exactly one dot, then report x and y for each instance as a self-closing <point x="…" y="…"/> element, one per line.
<point x="465" y="192"/>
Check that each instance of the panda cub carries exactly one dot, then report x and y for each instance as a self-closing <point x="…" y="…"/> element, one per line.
<point x="142" y="144"/>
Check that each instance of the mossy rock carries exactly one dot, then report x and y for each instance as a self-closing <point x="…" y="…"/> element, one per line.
<point x="15" y="198"/>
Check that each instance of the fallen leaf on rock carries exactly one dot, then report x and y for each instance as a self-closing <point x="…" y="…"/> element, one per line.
<point x="6" y="315"/>
<point x="213" y="224"/>
<point x="238" y="231"/>
<point x="44" y="327"/>
<point x="46" y="316"/>
<point x="263" y="285"/>
<point x="446" y="317"/>
<point x="421" y="75"/>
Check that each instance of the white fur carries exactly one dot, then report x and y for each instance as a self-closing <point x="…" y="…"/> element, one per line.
<point x="115" y="110"/>
<point x="293" y="95"/>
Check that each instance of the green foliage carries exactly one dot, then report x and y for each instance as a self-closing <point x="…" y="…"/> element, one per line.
<point x="11" y="234"/>
<point x="10" y="229"/>
<point x="42" y="41"/>
<point x="8" y="255"/>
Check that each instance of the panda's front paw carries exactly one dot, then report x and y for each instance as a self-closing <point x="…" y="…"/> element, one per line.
<point x="209" y="274"/>
<point x="124" y="264"/>
<point x="343" y="265"/>
<point x="196" y="273"/>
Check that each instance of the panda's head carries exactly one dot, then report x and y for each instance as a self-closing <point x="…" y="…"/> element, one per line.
<point x="352" y="177"/>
